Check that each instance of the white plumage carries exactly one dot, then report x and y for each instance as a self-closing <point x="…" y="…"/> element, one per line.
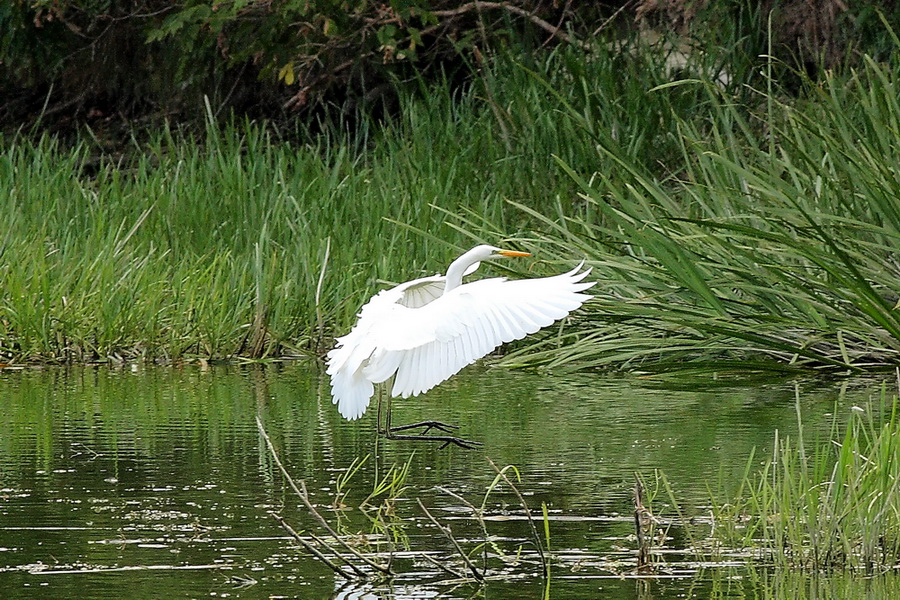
<point x="426" y="330"/>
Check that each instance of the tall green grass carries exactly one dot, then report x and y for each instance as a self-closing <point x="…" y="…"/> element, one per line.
<point x="822" y="505"/>
<point x="239" y="244"/>
<point x="770" y="244"/>
<point x="731" y="226"/>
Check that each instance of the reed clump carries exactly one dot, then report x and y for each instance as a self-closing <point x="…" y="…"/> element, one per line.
<point x="822" y="505"/>
<point x="768" y="244"/>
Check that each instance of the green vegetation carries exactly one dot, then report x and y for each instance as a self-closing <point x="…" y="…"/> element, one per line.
<point x="241" y="244"/>
<point x="765" y="239"/>
<point x="782" y="584"/>
<point x="732" y="226"/>
<point x="821" y="506"/>
<point x="111" y="64"/>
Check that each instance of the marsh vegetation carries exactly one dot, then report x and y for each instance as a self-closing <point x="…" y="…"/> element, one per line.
<point x="742" y="219"/>
<point x="159" y="476"/>
<point x="735" y="226"/>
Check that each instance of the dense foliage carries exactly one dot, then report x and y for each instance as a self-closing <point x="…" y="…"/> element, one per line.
<point x="97" y="58"/>
<point x="65" y="62"/>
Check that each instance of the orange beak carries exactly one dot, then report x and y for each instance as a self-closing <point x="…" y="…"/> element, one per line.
<point x="513" y="253"/>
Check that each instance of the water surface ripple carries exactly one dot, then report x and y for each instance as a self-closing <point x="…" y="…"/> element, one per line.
<point x="146" y="482"/>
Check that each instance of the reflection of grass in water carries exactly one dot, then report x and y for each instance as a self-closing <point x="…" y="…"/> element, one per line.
<point x="386" y="525"/>
<point x="369" y="555"/>
<point x="834" y="505"/>
<point x="379" y="506"/>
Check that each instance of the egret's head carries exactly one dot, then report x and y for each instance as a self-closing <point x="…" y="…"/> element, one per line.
<point x="488" y="252"/>
<point x="471" y="260"/>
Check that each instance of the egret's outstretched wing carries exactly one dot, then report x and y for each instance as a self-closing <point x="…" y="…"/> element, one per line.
<point x="421" y="291"/>
<point x="427" y="344"/>
<point x="439" y="339"/>
<point x="351" y="387"/>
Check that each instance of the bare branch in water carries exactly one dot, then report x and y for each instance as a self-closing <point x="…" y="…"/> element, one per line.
<point x="449" y="534"/>
<point x="442" y="566"/>
<point x="302" y="493"/>
<point x="537" y="538"/>
<point x="310" y="548"/>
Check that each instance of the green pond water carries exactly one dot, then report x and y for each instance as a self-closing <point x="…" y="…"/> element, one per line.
<point x="146" y="482"/>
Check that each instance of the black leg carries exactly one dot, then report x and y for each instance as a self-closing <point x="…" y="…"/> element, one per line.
<point x="446" y="439"/>
<point x="391" y="432"/>
<point x="428" y="425"/>
<point x="379" y="428"/>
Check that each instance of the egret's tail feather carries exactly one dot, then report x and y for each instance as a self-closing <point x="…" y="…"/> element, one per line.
<point x="351" y="390"/>
<point x="351" y="393"/>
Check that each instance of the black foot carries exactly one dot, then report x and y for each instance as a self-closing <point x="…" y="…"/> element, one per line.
<point x="428" y="425"/>
<point x="446" y="439"/>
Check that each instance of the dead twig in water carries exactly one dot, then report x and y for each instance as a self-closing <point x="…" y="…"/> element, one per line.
<point x="545" y="564"/>
<point x="478" y="513"/>
<point x="449" y="534"/>
<point x="643" y="520"/>
<point x="312" y="549"/>
<point x="442" y="567"/>
<point x="302" y="493"/>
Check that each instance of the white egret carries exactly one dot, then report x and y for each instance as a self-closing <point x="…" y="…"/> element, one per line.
<point x="424" y="331"/>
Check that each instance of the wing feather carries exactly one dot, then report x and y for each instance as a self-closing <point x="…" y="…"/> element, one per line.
<point x="480" y="316"/>
<point x="423" y="291"/>
<point x="423" y="338"/>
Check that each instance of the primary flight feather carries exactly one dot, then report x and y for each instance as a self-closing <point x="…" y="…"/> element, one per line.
<point x="424" y="331"/>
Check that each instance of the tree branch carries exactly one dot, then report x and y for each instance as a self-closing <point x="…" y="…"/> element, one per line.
<point x="479" y="4"/>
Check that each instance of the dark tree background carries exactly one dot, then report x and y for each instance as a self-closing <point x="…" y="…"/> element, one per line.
<point x="67" y="62"/>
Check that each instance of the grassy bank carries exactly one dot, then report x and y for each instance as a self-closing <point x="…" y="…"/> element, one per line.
<point x="239" y="244"/>
<point x="819" y="505"/>
<point x="732" y="226"/>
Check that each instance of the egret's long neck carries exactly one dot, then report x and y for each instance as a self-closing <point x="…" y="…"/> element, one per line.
<point x="457" y="269"/>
